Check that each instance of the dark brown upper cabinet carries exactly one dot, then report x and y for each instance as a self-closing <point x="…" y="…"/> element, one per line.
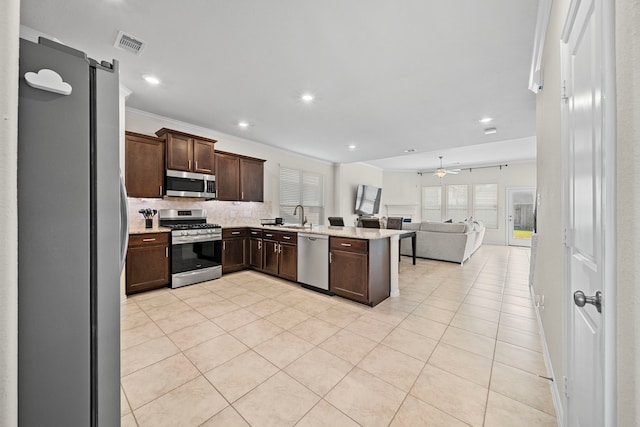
<point x="144" y="165"/>
<point x="239" y="178"/>
<point x="190" y="153"/>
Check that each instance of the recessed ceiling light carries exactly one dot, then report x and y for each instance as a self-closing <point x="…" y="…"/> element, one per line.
<point x="485" y="120"/>
<point x="307" y="97"/>
<point x="151" y="79"/>
<point x="352" y="147"/>
<point x="410" y="150"/>
<point x="489" y="131"/>
<point x="243" y="124"/>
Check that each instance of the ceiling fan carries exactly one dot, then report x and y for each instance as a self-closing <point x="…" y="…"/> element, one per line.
<point x="442" y="171"/>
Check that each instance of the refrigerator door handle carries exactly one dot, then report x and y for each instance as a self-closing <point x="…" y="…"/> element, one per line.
<point x="124" y="222"/>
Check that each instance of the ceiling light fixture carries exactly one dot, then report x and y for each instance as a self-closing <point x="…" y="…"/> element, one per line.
<point x="307" y="97"/>
<point x="485" y="120"/>
<point x="410" y="150"/>
<point x="490" y="131"/>
<point x="352" y="147"/>
<point x="243" y="124"/>
<point x="151" y="79"/>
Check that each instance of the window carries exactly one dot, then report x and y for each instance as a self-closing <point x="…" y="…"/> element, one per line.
<point x="432" y="203"/>
<point x="485" y="204"/>
<point x="457" y="202"/>
<point x="301" y="188"/>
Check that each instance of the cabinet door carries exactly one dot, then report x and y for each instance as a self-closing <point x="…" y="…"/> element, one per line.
<point x="233" y="255"/>
<point x="288" y="262"/>
<point x="255" y="253"/>
<point x="144" y="166"/>
<point x="348" y="275"/>
<point x="227" y="177"/>
<point x="270" y="251"/>
<point x="179" y="152"/>
<point x="147" y="268"/>
<point x="203" y="156"/>
<point x="251" y="180"/>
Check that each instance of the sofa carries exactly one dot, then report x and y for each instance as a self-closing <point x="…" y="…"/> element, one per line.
<point x="454" y="242"/>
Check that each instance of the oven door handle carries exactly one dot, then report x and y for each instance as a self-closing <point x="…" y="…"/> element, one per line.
<point x="180" y="240"/>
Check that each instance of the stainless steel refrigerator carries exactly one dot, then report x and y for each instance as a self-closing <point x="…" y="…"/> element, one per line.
<point x="71" y="238"/>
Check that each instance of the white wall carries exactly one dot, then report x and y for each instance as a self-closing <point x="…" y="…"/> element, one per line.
<point x="628" y="207"/>
<point x="146" y="123"/>
<point x="348" y="176"/>
<point x="9" y="30"/>
<point x="549" y="269"/>
<point x="405" y="189"/>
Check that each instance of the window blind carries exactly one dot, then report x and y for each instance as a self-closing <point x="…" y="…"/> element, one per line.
<point x="298" y="187"/>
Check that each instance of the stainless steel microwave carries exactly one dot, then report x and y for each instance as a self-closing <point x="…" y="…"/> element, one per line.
<point x="189" y="184"/>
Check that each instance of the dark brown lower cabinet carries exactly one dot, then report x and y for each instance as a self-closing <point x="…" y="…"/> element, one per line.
<point x="255" y="249"/>
<point x="147" y="262"/>
<point x="280" y="254"/>
<point x="359" y="269"/>
<point x="288" y="262"/>
<point x="234" y="249"/>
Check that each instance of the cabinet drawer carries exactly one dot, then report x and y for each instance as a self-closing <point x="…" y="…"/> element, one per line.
<point x="270" y="235"/>
<point x="149" y="239"/>
<point x="228" y="233"/>
<point x="255" y="233"/>
<point x="288" y="237"/>
<point x="349" y="245"/>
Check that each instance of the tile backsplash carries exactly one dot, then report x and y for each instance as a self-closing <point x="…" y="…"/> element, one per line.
<point x="223" y="213"/>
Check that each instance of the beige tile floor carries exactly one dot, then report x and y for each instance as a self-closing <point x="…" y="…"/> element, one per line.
<point x="460" y="346"/>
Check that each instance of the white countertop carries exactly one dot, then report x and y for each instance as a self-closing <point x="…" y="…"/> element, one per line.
<point x="330" y="230"/>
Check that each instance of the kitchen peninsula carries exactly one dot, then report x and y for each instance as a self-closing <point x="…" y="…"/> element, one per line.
<point x="362" y="264"/>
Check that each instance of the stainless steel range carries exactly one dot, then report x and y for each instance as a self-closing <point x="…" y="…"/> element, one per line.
<point x="196" y="246"/>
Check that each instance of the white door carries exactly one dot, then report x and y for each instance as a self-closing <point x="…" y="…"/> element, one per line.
<point x="520" y="207"/>
<point x="588" y="206"/>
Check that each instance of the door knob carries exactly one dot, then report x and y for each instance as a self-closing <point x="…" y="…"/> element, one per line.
<point x="581" y="299"/>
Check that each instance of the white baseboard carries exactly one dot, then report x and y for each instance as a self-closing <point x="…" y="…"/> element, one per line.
<point x="555" y="390"/>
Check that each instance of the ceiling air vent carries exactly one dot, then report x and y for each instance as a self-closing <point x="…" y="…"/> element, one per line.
<point x="129" y="43"/>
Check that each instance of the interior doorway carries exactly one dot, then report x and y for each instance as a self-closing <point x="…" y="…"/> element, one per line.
<point x="520" y="213"/>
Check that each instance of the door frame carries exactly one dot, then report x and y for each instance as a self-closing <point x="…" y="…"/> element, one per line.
<point x="507" y="212"/>
<point x="608" y="203"/>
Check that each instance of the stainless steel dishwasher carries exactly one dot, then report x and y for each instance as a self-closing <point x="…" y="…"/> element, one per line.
<point x="313" y="260"/>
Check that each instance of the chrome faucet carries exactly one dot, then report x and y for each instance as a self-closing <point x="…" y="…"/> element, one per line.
<point x="303" y="220"/>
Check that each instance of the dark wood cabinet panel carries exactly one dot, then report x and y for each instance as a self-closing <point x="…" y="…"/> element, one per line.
<point x="270" y="251"/>
<point x="359" y="269"/>
<point x="203" y="156"/>
<point x="251" y="180"/>
<point x="147" y="262"/>
<point x="144" y="165"/>
<point x="239" y="178"/>
<point x="179" y="152"/>
<point x="280" y="254"/>
<point x="234" y="250"/>
<point x="288" y="262"/>
<point x="186" y="152"/>
<point x="255" y="253"/>
<point x="348" y="275"/>
<point x="227" y="177"/>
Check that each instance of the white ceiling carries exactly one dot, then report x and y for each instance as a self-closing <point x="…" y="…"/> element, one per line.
<point x="387" y="75"/>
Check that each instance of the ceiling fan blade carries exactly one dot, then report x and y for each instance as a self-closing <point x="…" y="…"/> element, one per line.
<point x="453" y="171"/>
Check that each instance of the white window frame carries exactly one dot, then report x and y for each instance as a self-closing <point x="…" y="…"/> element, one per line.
<point x="493" y="223"/>
<point x="297" y="192"/>
<point x="458" y="216"/>
<point x="429" y="209"/>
